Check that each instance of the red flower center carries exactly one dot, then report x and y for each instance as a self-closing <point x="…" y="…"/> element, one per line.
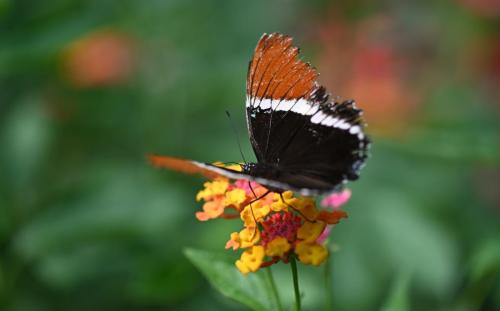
<point x="280" y="225"/>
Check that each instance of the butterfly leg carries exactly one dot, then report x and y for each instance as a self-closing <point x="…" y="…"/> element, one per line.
<point x="295" y="209"/>
<point x="251" y="208"/>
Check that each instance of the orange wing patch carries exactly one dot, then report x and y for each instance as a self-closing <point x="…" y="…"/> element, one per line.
<point x="180" y="165"/>
<point x="276" y="71"/>
<point x="189" y="167"/>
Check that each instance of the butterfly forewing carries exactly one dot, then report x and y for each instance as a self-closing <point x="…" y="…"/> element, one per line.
<point x="315" y="143"/>
<point x="274" y="72"/>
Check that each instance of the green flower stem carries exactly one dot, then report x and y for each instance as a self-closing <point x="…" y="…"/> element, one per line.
<point x="328" y="284"/>
<point x="274" y="290"/>
<point x="293" y="264"/>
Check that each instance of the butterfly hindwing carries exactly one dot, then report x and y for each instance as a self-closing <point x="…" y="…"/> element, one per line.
<point x="211" y="171"/>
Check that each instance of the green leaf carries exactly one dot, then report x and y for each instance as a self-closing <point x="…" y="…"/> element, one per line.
<point x="251" y="290"/>
<point x="486" y="260"/>
<point x="483" y="276"/>
<point x="398" y="298"/>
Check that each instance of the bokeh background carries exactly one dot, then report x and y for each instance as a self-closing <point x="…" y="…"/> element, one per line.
<point x="88" y="87"/>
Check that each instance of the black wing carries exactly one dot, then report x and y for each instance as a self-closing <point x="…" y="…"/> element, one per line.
<point x="315" y="143"/>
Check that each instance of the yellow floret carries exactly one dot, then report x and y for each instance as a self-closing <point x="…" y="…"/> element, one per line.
<point x="277" y="247"/>
<point x="249" y="236"/>
<point x="310" y="231"/>
<point x="311" y="253"/>
<point x="213" y="188"/>
<point x="250" y="260"/>
<point x="235" y="197"/>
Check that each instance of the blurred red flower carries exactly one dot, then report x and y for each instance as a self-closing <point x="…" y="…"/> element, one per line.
<point x="483" y="8"/>
<point x="363" y="62"/>
<point x="101" y="58"/>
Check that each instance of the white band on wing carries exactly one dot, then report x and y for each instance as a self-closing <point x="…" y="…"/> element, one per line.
<point x="304" y="107"/>
<point x="300" y="106"/>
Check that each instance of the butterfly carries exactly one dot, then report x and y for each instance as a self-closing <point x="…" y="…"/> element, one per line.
<point x="303" y="140"/>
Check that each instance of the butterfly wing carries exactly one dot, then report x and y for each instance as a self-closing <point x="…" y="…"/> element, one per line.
<point x="316" y="143"/>
<point x="275" y="72"/>
<point x="211" y="171"/>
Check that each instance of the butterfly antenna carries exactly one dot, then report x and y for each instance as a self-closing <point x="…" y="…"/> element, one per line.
<point x="237" y="136"/>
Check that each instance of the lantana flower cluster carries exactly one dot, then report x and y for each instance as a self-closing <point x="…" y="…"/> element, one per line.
<point x="275" y="226"/>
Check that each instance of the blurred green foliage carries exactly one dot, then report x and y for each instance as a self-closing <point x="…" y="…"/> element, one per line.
<point x="87" y="224"/>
